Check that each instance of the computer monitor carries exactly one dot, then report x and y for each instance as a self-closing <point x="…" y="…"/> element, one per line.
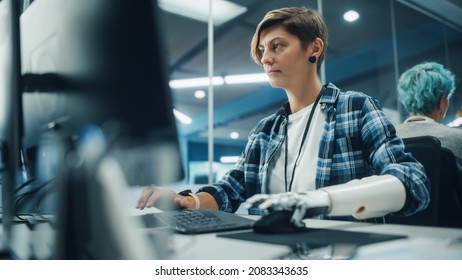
<point x="96" y="102"/>
<point x="108" y="62"/>
<point x="10" y="112"/>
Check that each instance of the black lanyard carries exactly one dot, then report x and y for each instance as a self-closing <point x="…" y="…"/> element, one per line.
<point x="305" y="133"/>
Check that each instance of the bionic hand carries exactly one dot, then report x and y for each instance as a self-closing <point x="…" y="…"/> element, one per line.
<point x="369" y="197"/>
<point x="307" y="204"/>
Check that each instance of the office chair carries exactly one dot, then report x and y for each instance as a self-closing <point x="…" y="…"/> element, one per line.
<point x="445" y="208"/>
<point x="451" y="187"/>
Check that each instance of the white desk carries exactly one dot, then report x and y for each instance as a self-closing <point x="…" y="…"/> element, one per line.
<point x="423" y="243"/>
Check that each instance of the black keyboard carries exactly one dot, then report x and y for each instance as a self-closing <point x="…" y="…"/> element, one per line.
<point x="192" y="221"/>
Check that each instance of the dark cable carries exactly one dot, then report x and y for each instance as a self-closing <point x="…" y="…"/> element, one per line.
<point x="23" y="195"/>
<point x="25" y="184"/>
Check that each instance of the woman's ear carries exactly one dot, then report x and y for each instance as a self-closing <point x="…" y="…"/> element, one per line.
<point x="317" y="46"/>
<point x="443" y="106"/>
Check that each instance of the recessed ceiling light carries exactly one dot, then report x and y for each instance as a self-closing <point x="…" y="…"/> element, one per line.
<point x="234" y="135"/>
<point x="223" y="10"/>
<point x="351" y="16"/>
<point x="199" y="94"/>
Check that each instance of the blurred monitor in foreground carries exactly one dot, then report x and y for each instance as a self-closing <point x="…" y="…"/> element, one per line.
<point x="97" y="118"/>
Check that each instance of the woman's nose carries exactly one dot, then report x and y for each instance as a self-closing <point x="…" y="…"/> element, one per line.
<point x="266" y="58"/>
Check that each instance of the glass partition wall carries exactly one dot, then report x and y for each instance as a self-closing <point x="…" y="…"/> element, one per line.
<point x="367" y="54"/>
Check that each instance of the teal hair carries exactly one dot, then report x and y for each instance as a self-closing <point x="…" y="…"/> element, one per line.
<point x="420" y="88"/>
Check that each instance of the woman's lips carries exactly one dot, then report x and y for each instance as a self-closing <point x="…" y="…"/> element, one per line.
<point x="270" y="72"/>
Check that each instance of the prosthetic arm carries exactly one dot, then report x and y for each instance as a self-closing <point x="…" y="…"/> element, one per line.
<point x="369" y="197"/>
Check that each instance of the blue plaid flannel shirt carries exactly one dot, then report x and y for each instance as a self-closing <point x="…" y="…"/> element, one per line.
<point x="357" y="141"/>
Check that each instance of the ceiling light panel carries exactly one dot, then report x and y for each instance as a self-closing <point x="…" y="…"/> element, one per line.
<point x="223" y="10"/>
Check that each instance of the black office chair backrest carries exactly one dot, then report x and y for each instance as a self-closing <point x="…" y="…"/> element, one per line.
<point x="450" y="210"/>
<point x="441" y="169"/>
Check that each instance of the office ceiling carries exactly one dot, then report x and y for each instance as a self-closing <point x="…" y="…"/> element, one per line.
<point x="239" y="107"/>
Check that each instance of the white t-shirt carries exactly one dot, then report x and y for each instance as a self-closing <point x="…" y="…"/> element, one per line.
<point x="305" y="171"/>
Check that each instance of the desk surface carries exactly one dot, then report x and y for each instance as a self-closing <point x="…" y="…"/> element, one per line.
<point x="422" y="242"/>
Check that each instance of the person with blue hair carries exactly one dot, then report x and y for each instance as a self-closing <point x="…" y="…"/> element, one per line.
<point x="425" y="91"/>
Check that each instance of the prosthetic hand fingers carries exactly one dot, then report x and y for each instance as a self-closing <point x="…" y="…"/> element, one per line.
<point x="256" y="200"/>
<point x="310" y="204"/>
<point x="280" y="201"/>
<point x="276" y="203"/>
<point x="298" y="215"/>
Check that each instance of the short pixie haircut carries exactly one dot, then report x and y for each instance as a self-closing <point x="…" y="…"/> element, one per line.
<point x="420" y="88"/>
<point x="306" y="24"/>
